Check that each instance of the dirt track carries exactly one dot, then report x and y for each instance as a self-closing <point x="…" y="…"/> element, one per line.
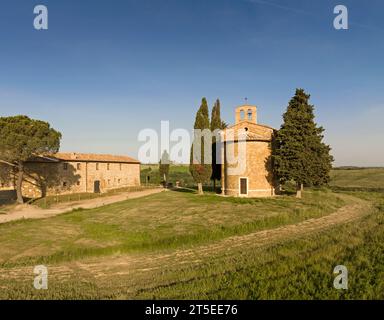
<point x="26" y="211"/>
<point x="353" y="211"/>
<point x="140" y="264"/>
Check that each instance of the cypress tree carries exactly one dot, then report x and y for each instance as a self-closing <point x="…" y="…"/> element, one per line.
<point x="164" y="167"/>
<point x="299" y="153"/>
<point x="201" y="168"/>
<point x="216" y="124"/>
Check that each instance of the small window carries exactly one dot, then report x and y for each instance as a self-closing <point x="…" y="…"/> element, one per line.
<point x="249" y="114"/>
<point x="121" y="166"/>
<point x="65" y="166"/>
<point x="97" y="166"/>
<point x="242" y="115"/>
<point x="109" y="182"/>
<point x="79" y="166"/>
<point x="118" y="181"/>
<point x="107" y="166"/>
<point x="78" y="183"/>
<point x="64" y="183"/>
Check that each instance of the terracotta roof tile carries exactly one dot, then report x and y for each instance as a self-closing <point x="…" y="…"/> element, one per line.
<point x="92" y="157"/>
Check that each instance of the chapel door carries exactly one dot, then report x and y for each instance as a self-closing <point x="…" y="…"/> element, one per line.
<point x="243" y="186"/>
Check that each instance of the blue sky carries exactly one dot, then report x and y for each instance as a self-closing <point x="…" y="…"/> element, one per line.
<point x="104" y="70"/>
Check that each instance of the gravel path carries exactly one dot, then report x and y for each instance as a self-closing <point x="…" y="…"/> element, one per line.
<point x="27" y="211"/>
<point x="140" y="266"/>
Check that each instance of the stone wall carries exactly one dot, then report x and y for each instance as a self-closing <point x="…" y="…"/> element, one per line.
<point x="76" y="177"/>
<point x="112" y="176"/>
<point x="257" y="169"/>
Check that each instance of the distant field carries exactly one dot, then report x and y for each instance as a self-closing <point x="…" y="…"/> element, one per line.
<point x="360" y="178"/>
<point x="351" y="177"/>
<point x="176" y="173"/>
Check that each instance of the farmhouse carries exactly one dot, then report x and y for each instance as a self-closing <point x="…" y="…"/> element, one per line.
<point x="251" y="175"/>
<point x="75" y="173"/>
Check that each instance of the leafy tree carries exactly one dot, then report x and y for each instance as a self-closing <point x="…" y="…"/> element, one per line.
<point x="216" y="124"/>
<point x="164" y="166"/>
<point x="22" y="138"/>
<point x="200" y="167"/>
<point x="299" y="153"/>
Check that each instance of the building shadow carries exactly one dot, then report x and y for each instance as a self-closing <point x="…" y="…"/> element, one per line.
<point x="40" y="179"/>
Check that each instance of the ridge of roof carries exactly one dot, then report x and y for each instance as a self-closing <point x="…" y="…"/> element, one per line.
<point x="251" y="122"/>
<point x="74" y="156"/>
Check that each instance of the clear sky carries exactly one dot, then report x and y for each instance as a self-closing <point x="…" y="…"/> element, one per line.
<point x="104" y="70"/>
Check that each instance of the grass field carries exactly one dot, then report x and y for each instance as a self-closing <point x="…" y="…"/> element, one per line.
<point x="177" y="245"/>
<point x="159" y="222"/>
<point x="358" y="178"/>
<point x="176" y="173"/>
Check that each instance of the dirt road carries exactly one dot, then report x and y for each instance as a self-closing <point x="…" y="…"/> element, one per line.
<point x="356" y="209"/>
<point x="27" y="211"/>
<point x="138" y="265"/>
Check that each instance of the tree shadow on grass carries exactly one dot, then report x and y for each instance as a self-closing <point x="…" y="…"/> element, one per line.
<point x="193" y="189"/>
<point x="184" y="190"/>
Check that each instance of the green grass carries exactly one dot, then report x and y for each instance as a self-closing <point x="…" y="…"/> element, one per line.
<point x="294" y="269"/>
<point x="368" y="178"/>
<point x="176" y="173"/>
<point x="298" y="269"/>
<point x="125" y="240"/>
<point x="163" y="221"/>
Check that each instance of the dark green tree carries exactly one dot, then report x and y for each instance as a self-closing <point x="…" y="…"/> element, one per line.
<point x="200" y="165"/>
<point x="164" y="165"/>
<point x="22" y="138"/>
<point x="299" y="153"/>
<point x="216" y="124"/>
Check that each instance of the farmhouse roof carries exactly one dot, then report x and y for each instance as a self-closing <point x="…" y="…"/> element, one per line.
<point x="82" y="157"/>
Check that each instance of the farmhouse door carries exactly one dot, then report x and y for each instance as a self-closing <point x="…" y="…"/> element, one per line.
<point x="243" y="186"/>
<point x="96" y="186"/>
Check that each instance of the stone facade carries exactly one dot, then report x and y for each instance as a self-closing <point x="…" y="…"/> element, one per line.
<point x="251" y="175"/>
<point x="65" y="173"/>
